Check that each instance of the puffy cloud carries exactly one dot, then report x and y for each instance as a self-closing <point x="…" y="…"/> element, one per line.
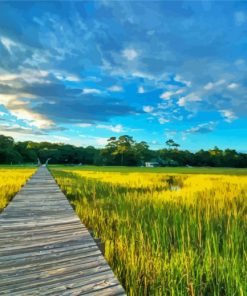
<point x="232" y="85"/>
<point x="178" y="78"/>
<point x="24" y="74"/>
<point x="202" y="128"/>
<point x="114" y="128"/>
<point x="91" y="91"/>
<point x="12" y="129"/>
<point x="228" y="115"/>
<point x="163" y="120"/>
<point x="141" y="90"/>
<point x="130" y="54"/>
<point x="190" y="98"/>
<point x="115" y="88"/>
<point x="148" y="109"/>
<point x="141" y="74"/>
<point x="44" y="104"/>
<point x="168" y="94"/>
<point x="212" y="85"/>
<point x="32" y="118"/>
<point x="66" y="76"/>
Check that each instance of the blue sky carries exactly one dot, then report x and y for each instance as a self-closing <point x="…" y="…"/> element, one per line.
<point x="80" y="72"/>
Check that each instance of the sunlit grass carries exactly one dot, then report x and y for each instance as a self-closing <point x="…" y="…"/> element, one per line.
<point x="166" y="234"/>
<point x="164" y="170"/>
<point x="11" y="180"/>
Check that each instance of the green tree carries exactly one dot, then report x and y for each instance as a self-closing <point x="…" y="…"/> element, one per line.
<point x="8" y="154"/>
<point x="172" y="144"/>
<point x="120" y="149"/>
<point x="124" y="145"/>
<point x="142" y="152"/>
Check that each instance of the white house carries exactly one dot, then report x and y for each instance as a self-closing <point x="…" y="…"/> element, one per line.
<point x="152" y="164"/>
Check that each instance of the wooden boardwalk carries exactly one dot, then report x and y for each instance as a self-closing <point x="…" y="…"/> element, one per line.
<point x="46" y="250"/>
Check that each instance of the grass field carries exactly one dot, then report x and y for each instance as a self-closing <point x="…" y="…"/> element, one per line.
<point x="167" y="170"/>
<point x="12" y="178"/>
<point x="167" y="231"/>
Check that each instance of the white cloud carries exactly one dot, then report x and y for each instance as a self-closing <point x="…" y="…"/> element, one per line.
<point x="144" y="75"/>
<point x="28" y="75"/>
<point x="148" y="109"/>
<point x="10" y="100"/>
<point x="8" y="43"/>
<point x="189" y="98"/>
<point x="115" y="88"/>
<point x="114" y="128"/>
<point x="163" y="120"/>
<point x="178" y="78"/>
<point x="72" y="78"/>
<point x="130" y="54"/>
<point x="240" y="18"/>
<point x="168" y="94"/>
<point x="212" y="85"/>
<point x="7" y="77"/>
<point x="232" y="85"/>
<point x="31" y="76"/>
<point x="202" y="128"/>
<point x="91" y="91"/>
<point x="141" y="90"/>
<point x="83" y="125"/>
<point x="32" y="119"/>
<point x="209" y="86"/>
<point x="20" y="111"/>
<point x="228" y="115"/>
<point x="66" y="76"/>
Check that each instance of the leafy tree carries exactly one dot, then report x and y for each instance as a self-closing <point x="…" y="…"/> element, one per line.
<point x="124" y="145"/>
<point x="172" y="144"/>
<point x="142" y="152"/>
<point x="118" y="151"/>
<point x="8" y="154"/>
<point x="25" y="150"/>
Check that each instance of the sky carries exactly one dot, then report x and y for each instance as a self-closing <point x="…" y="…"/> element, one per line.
<point x="81" y="72"/>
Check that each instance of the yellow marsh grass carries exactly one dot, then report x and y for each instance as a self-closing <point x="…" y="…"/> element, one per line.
<point x="166" y="234"/>
<point x="11" y="181"/>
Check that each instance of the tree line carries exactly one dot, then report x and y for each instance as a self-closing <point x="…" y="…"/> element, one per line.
<point x="123" y="150"/>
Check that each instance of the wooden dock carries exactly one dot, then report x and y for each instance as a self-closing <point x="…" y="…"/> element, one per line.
<point x="46" y="250"/>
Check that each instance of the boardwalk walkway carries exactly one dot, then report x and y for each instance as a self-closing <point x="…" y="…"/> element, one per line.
<point x="46" y="250"/>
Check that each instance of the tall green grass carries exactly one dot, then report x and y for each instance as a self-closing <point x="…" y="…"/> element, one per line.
<point x="163" y="244"/>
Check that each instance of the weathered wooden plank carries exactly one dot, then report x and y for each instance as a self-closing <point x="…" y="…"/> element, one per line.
<point x="46" y="250"/>
<point x="66" y="279"/>
<point x="25" y="276"/>
<point x="28" y="254"/>
<point x="17" y="265"/>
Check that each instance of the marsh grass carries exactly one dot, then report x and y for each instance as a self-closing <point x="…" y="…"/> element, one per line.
<point x="161" y="241"/>
<point x="11" y="181"/>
